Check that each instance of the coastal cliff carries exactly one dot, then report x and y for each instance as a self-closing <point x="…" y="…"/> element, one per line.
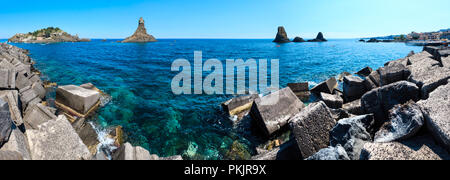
<point x="47" y="35"/>
<point x="140" y="36"/>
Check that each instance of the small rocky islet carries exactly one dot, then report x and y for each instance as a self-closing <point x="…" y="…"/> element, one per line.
<point x="46" y="35"/>
<point x="282" y="37"/>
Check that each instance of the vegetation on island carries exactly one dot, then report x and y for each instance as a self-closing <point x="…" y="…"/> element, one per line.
<point x="46" y="32"/>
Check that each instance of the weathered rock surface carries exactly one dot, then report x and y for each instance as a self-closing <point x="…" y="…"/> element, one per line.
<point x="28" y="97"/>
<point x="332" y="101"/>
<point x="404" y="122"/>
<point x="352" y="134"/>
<point x="428" y="75"/>
<point x="140" y="36"/>
<point x="6" y="122"/>
<point x="298" y="39"/>
<point x="10" y="155"/>
<point x="7" y="78"/>
<point x="56" y="140"/>
<point x="330" y="154"/>
<point x="89" y="136"/>
<point x="374" y="79"/>
<point x="18" y="143"/>
<point x="12" y="97"/>
<point x="354" y="107"/>
<point x="77" y="98"/>
<point x="273" y="111"/>
<point x="281" y="36"/>
<point x="436" y="110"/>
<point x="419" y="57"/>
<point x="354" y="88"/>
<point x="37" y="115"/>
<point x="327" y="86"/>
<point x="418" y="148"/>
<point x="365" y="71"/>
<point x="319" y="38"/>
<point x="393" y="73"/>
<point x="380" y="100"/>
<point x="301" y="90"/>
<point x="128" y="152"/>
<point x="311" y="128"/>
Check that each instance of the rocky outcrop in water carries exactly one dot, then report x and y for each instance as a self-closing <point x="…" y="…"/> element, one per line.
<point x="298" y="39"/>
<point x="140" y="35"/>
<point x="281" y="36"/>
<point x="319" y="38"/>
<point x="47" y="35"/>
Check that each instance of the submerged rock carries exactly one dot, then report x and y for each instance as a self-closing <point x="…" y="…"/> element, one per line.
<point x="273" y="111"/>
<point x="418" y="148"/>
<point x="436" y="110"/>
<point x="404" y="122"/>
<point x="281" y="36"/>
<point x="140" y="36"/>
<point x="311" y="128"/>
<point x="330" y="153"/>
<point x="352" y="134"/>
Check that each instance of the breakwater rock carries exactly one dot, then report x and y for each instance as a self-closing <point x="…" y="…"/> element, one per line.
<point x="398" y="111"/>
<point x="47" y="35"/>
<point x="31" y="129"/>
<point x="140" y="35"/>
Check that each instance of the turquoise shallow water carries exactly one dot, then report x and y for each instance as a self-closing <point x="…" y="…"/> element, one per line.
<point x="138" y="77"/>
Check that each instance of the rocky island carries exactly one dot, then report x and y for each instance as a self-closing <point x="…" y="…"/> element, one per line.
<point x="319" y="38"/>
<point x="281" y="36"/>
<point x="140" y="36"/>
<point x="47" y="35"/>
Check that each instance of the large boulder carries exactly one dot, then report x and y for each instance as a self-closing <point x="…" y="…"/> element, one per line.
<point x="380" y="100"/>
<point x="404" y="122"/>
<point x="436" y="110"/>
<point x="393" y="73"/>
<point x="77" y="98"/>
<point x="353" y="87"/>
<point x="365" y="71"/>
<point x="22" y="81"/>
<point x="12" y="97"/>
<point x="327" y="86"/>
<point x="428" y="75"/>
<point x="7" y="78"/>
<point x="332" y="101"/>
<point x="417" y="58"/>
<point x="140" y="35"/>
<point x="281" y="36"/>
<point x="6" y="122"/>
<point x="89" y="136"/>
<point x="301" y="90"/>
<point x="57" y="140"/>
<point x="352" y="134"/>
<point x="18" y="143"/>
<point x="354" y="107"/>
<point x="28" y="97"/>
<point x="330" y="154"/>
<point x="417" y="148"/>
<point x="273" y="111"/>
<point x="311" y="128"/>
<point x="239" y="106"/>
<point x="375" y="80"/>
<point x="37" y="115"/>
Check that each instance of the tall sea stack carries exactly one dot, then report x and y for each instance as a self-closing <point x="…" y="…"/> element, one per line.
<point x="140" y="36"/>
<point x="281" y="36"/>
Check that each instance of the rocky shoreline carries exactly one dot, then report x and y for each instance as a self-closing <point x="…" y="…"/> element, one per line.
<point x="397" y="112"/>
<point x="34" y="126"/>
<point x="47" y="35"/>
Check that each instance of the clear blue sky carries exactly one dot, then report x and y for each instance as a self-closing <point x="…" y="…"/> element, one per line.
<point x="225" y="18"/>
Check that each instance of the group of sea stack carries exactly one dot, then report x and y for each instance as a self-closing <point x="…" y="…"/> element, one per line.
<point x="282" y="37"/>
<point x="397" y="112"/>
<point x="34" y="126"/>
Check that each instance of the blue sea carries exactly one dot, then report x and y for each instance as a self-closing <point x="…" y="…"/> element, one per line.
<point x="138" y="77"/>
